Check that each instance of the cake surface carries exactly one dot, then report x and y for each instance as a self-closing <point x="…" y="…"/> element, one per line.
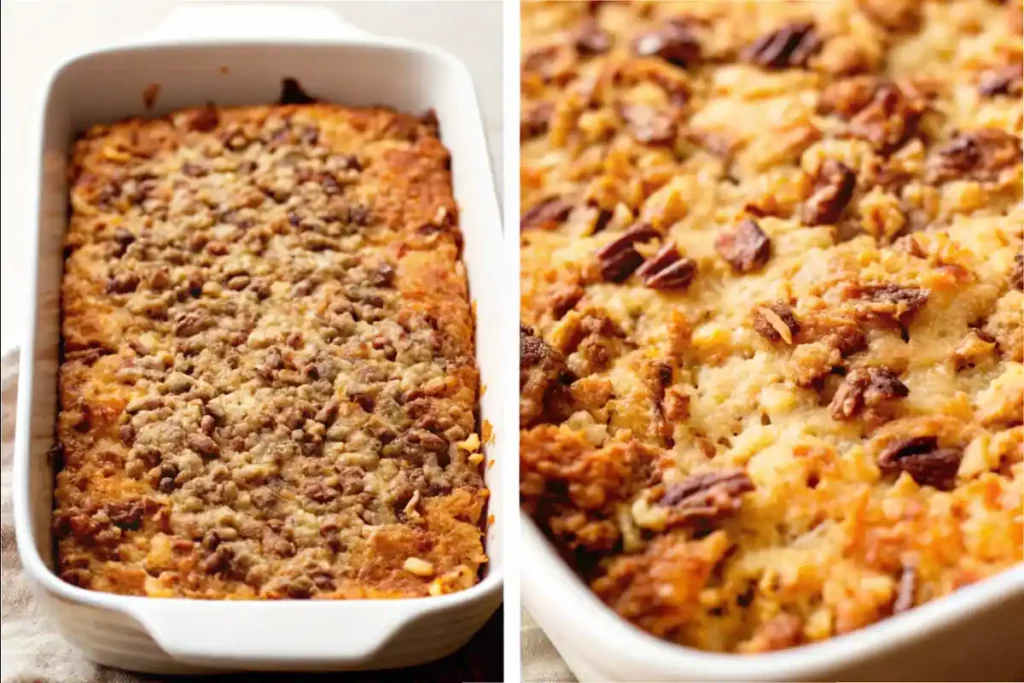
<point x="771" y="274"/>
<point x="268" y="386"/>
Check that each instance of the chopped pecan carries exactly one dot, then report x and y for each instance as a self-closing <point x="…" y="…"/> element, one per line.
<point x="203" y="445"/>
<point x="619" y="258"/>
<point x="865" y="390"/>
<point x="648" y="125"/>
<point x="746" y="248"/>
<point x="123" y="283"/>
<point x="591" y="39"/>
<point x="552" y="63"/>
<point x="923" y="460"/>
<point x="980" y="155"/>
<point x="834" y="187"/>
<point x="703" y="499"/>
<point x="787" y="47"/>
<point x="126" y="514"/>
<point x="668" y="269"/>
<point x="776" y="322"/>
<point x="1017" y="272"/>
<point x="906" y="589"/>
<point x="674" y="42"/>
<point x="1004" y="80"/>
<point x="892" y="301"/>
<point x="879" y="112"/>
<point x="543" y="378"/>
<point x="204" y="120"/>
<point x="547" y="215"/>
<point x="192" y="323"/>
<point x="535" y="120"/>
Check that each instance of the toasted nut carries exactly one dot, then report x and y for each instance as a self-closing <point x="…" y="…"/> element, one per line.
<point x="419" y="567"/>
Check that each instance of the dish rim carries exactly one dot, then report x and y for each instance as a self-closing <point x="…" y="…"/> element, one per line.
<point x="552" y="580"/>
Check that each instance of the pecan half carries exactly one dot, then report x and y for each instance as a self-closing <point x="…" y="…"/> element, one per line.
<point x="535" y="120"/>
<point x="746" y="248"/>
<point x="591" y="39"/>
<point x="668" y="269"/>
<point x="980" y="155"/>
<point x="776" y="322"/>
<point x="674" y="42"/>
<point x="1017" y="272"/>
<point x="923" y="460"/>
<point x="703" y="499"/>
<point x="834" y="187"/>
<point x="864" y="390"/>
<point x="1004" y="80"/>
<point x="547" y="215"/>
<point x="619" y="258"/>
<point x="648" y="125"/>
<point x="790" y="46"/>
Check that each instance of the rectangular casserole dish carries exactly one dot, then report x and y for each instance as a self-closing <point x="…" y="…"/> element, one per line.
<point x="241" y="59"/>
<point x="649" y="377"/>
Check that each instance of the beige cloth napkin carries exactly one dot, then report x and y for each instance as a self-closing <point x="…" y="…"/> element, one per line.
<point x="541" y="661"/>
<point x="32" y="651"/>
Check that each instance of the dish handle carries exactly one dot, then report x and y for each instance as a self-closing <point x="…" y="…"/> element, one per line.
<point x="200" y="20"/>
<point x="237" y="634"/>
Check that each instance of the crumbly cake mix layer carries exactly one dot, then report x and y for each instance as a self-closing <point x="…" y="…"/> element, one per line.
<point x="268" y="387"/>
<point x="771" y="385"/>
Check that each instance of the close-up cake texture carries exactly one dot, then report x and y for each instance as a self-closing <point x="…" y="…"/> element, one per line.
<point x="771" y="303"/>
<point x="268" y="385"/>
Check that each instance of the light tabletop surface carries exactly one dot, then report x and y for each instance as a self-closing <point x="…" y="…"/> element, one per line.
<point x="38" y="35"/>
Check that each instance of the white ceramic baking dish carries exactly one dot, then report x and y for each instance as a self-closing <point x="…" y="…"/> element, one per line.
<point x="975" y="634"/>
<point x="234" y="55"/>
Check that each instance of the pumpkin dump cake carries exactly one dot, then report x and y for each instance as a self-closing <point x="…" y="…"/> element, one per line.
<point x="771" y="383"/>
<point x="268" y="387"/>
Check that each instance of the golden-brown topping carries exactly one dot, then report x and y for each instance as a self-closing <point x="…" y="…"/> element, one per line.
<point x="267" y="359"/>
<point x="1017" y="272"/>
<point x="923" y="460"/>
<point x="746" y="247"/>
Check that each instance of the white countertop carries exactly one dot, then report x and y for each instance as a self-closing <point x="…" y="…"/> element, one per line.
<point x="36" y="36"/>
